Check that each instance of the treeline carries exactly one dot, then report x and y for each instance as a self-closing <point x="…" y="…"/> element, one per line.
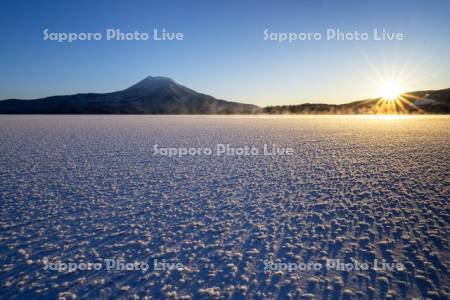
<point x="307" y="108"/>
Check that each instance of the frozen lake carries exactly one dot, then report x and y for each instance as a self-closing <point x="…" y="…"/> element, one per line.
<point x="90" y="190"/>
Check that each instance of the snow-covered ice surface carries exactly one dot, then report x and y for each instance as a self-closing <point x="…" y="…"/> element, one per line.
<point x="88" y="188"/>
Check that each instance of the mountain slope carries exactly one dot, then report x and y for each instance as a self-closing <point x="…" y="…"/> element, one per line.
<point x="152" y="95"/>
<point x="420" y="102"/>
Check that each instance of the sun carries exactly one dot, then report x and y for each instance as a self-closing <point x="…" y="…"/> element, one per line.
<point x="391" y="90"/>
<point x="389" y="83"/>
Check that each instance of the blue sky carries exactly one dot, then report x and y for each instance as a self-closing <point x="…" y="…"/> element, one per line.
<point x="224" y="52"/>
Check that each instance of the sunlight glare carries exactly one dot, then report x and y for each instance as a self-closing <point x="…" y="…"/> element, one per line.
<point x="390" y="90"/>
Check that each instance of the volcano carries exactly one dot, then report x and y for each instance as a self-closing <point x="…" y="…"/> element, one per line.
<point x="152" y="95"/>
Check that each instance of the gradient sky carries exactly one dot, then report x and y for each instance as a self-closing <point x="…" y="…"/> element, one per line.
<point x="223" y="52"/>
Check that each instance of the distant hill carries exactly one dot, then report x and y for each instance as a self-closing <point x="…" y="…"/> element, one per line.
<point x="152" y="95"/>
<point x="421" y="102"/>
<point x="162" y="95"/>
